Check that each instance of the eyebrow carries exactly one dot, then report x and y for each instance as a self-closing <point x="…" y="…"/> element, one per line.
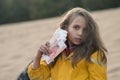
<point x="80" y="26"/>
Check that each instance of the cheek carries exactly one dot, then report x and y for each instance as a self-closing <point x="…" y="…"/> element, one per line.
<point x="70" y="35"/>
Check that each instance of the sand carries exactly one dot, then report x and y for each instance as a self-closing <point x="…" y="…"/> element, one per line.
<point x="19" y="42"/>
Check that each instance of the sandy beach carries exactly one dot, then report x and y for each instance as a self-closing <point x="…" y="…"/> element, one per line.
<point x="19" y="42"/>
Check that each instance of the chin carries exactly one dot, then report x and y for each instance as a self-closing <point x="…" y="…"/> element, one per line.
<point x="77" y="43"/>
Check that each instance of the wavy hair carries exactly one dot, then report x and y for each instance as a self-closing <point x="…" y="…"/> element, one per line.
<point x="92" y="41"/>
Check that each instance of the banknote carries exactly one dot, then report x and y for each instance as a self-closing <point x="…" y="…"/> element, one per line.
<point x="57" y="45"/>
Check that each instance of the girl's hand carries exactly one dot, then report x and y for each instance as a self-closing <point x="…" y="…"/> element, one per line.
<point x="44" y="49"/>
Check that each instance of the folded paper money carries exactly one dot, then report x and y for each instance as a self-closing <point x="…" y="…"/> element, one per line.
<point x="57" y="45"/>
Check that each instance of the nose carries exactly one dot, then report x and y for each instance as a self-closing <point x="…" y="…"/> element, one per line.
<point x="80" y="32"/>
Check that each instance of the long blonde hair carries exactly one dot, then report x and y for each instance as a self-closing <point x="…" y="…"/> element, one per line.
<point x="92" y="40"/>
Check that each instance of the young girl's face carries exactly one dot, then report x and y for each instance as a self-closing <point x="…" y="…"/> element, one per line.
<point x="76" y="30"/>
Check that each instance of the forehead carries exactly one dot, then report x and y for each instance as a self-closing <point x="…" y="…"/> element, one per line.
<point x="78" y="20"/>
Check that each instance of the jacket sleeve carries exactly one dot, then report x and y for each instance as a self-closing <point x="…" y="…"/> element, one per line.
<point x="42" y="73"/>
<point x="97" y="69"/>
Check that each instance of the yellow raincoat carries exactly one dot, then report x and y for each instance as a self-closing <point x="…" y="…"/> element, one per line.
<point x="63" y="70"/>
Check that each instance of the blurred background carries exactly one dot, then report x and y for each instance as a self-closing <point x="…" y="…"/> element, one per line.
<point x="26" y="24"/>
<point x="23" y="10"/>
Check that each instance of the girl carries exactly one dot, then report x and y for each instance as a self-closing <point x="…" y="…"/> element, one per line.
<point x="83" y="59"/>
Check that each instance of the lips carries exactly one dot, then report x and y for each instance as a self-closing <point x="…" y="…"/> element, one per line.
<point x="78" y="39"/>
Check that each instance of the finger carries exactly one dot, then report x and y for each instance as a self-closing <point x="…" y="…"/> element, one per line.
<point x="45" y="49"/>
<point x="47" y="44"/>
